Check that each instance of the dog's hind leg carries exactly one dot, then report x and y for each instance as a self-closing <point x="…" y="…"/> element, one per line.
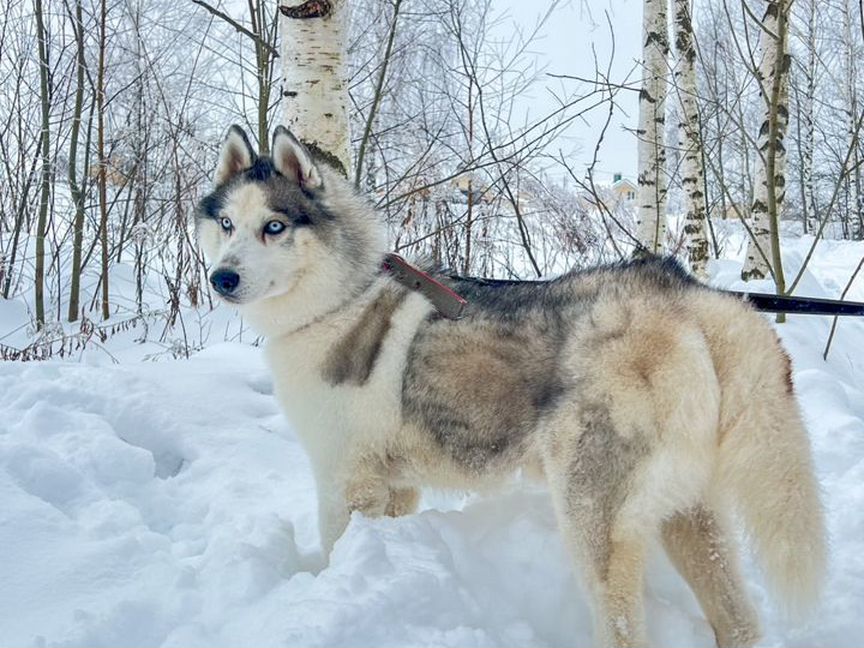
<point x="590" y="492"/>
<point x="698" y="547"/>
<point x="613" y="565"/>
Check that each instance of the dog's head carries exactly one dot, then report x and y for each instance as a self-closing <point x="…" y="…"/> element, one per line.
<point x="284" y="225"/>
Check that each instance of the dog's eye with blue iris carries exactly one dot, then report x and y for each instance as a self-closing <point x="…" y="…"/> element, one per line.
<point x="274" y="227"/>
<point x="226" y="224"/>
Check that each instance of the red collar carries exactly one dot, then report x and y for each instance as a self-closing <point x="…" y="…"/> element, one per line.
<point x="445" y="301"/>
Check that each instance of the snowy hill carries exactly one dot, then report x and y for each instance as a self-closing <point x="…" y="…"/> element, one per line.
<point x="168" y="504"/>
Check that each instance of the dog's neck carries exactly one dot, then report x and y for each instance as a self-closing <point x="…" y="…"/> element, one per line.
<point x="315" y="296"/>
<point x="448" y="303"/>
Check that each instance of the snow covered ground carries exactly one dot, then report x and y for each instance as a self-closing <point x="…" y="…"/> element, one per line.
<point x="168" y="504"/>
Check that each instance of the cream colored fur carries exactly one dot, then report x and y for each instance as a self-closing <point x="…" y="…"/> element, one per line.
<point x="684" y="417"/>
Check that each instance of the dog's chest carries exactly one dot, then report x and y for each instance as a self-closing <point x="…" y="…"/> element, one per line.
<point x="319" y="412"/>
<point x="335" y="408"/>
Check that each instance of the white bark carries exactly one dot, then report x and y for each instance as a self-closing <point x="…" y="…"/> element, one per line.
<point x="763" y="249"/>
<point x="850" y="67"/>
<point x="314" y="94"/>
<point x="651" y="214"/>
<point x="808" y="202"/>
<point x="690" y="141"/>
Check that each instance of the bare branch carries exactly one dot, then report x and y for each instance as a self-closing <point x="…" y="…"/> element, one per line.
<point x="240" y="28"/>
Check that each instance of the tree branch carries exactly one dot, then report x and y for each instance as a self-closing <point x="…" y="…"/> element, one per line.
<point x="842" y="297"/>
<point x="240" y="28"/>
<point x="379" y="90"/>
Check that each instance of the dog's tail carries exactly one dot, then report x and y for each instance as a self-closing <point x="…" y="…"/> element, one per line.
<point x="766" y="465"/>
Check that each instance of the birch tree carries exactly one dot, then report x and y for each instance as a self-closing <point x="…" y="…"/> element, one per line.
<point x="690" y="140"/>
<point x="651" y="214"/>
<point x="806" y="122"/>
<point x="314" y="95"/>
<point x="855" y="209"/>
<point x="763" y="250"/>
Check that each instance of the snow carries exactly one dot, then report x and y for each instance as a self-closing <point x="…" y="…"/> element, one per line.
<point x="169" y="504"/>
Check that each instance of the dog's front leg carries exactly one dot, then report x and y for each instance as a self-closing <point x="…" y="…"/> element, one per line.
<point x="332" y="514"/>
<point x="402" y="501"/>
<point x="367" y="490"/>
<point x="362" y="486"/>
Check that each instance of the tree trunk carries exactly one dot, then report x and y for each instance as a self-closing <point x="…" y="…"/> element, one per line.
<point x="100" y="144"/>
<point x="808" y="145"/>
<point x="46" y="166"/>
<point x="763" y="251"/>
<point x="850" y="65"/>
<point x="264" y="62"/>
<point x="376" y="97"/>
<point x="689" y="134"/>
<point x="469" y="213"/>
<point x="74" y="186"/>
<point x="651" y="214"/>
<point x="263" y="36"/>
<point x="314" y="95"/>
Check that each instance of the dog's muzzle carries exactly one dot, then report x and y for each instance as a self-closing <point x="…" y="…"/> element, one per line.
<point x="225" y="281"/>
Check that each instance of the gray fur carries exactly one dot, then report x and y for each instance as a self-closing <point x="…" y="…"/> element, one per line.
<point x="353" y="358"/>
<point x="600" y="474"/>
<point x="284" y="197"/>
<point x="478" y="386"/>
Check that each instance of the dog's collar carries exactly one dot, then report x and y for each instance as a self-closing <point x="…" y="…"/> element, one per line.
<point x="446" y="302"/>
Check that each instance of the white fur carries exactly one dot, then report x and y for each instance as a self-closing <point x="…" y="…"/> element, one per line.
<point x="234" y="157"/>
<point x="319" y="412"/>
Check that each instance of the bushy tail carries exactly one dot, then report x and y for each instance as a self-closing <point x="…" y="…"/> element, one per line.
<point x="767" y="466"/>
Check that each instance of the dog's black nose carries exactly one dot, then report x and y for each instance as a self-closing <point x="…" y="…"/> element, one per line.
<point x="225" y="281"/>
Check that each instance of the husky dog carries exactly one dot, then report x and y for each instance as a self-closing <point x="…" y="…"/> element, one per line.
<point x="653" y="406"/>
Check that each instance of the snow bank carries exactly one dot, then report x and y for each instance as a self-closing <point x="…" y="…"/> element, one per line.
<point x="168" y="504"/>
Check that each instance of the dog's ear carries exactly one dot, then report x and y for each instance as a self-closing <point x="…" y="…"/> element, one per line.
<point x="292" y="160"/>
<point x="235" y="157"/>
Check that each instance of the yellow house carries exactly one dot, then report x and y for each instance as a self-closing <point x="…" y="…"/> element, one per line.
<point x="478" y="188"/>
<point x="623" y="190"/>
<point x="621" y="193"/>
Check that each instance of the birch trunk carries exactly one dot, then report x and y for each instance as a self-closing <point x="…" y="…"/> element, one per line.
<point x="651" y="214"/>
<point x="763" y="250"/>
<point x="850" y="65"/>
<point x="690" y="142"/>
<point x="808" y="202"/>
<point x="314" y="94"/>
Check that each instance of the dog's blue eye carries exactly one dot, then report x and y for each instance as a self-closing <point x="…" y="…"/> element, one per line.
<point x="274" y="227"/>
<point x="226" y="224"/>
